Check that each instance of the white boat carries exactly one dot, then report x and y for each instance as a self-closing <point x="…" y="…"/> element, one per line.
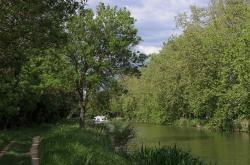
<point x="100" y="119"/>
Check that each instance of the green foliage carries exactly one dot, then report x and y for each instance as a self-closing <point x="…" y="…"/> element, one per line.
<point x="164" y="156"/>
<point x="101" y="48"/>
<point x="55" y="53"/>
<point x="183" y="122"/>
<point x="28" y="30"/>
<point x="101" y="102"/>
<point x="201" y="74"/>
<point x="120" y="134"/>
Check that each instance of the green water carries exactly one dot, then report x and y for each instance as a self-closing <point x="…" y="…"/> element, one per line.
<point x="221" y="148"/>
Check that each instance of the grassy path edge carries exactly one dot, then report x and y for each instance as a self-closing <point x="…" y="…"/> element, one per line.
<point x="6" y="148"/>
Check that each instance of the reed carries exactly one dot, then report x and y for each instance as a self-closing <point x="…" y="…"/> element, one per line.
<point x="171" y="155"/>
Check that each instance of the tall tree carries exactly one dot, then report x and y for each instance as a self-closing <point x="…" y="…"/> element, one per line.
<point x="101" y="49"/>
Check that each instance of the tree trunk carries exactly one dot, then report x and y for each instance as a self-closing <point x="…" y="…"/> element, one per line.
<point x="82" y="91"/>
<point x="82" y="115"/>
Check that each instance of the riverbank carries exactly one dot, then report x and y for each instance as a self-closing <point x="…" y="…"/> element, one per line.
<point x="240" y="125"/>
<point x="65" y="143"/>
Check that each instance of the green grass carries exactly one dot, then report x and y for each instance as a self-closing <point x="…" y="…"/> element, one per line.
<point x="4" y="139"/>
<point x="69" y="145"/>
<point x="17" y="153"/>
<point x="21" y="146"/>
<point x="11" y="158"/>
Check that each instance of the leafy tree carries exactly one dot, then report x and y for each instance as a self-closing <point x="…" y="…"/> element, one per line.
<point x="27" y="30"/>
<point x="101" y="50"/>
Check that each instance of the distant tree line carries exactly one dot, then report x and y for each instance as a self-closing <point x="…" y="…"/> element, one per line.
<point x="204" y="73"/>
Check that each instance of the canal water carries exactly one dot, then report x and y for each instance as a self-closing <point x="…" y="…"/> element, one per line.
<point x="221" y="148"/>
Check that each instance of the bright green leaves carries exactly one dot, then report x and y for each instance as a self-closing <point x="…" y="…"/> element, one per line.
<point x="101" y="50"/>
<point x="203" y="73"/>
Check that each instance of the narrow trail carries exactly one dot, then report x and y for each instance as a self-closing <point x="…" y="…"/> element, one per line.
<point x="6" y="148"/>
<point x="34" y="150"/>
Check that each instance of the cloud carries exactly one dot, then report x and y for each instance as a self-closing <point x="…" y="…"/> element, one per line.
<point x="155" y="19"/>
<point x="148" y="49"/>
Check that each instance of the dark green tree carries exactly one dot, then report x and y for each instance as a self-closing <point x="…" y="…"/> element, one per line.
<point x="27" y="29"/>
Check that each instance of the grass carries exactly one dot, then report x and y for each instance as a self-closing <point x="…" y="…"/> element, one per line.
<point x="21" y="146"/>
<point x="67" y="144"/>
<point x="17" y="153"/>
<point x="15" y="159"/>
<point x="4" y="139"/>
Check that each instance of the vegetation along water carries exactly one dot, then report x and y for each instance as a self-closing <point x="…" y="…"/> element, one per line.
<point x="217" y="147"/>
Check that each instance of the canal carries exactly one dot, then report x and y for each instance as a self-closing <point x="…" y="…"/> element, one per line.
<point x="221" y="148"/>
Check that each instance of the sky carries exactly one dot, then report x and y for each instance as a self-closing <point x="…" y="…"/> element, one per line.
<point x="155" y="19"/>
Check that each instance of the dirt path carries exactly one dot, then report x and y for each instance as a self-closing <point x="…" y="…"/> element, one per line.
<point x="34" y="150"/>
<point x="6" y="148"/>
